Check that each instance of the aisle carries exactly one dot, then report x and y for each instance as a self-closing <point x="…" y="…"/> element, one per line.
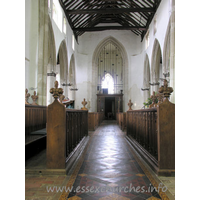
<point x="109" y="170"/>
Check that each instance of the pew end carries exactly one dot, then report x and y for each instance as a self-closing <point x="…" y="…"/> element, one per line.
<point x="56" y="136"/>
<point x="151" y="133"/>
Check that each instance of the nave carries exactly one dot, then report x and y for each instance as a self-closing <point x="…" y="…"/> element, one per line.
<point x="107" y="169"/>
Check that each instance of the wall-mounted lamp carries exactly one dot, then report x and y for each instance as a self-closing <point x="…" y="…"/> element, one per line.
<point x="51" y="74"/>
<point x="152" y="84"/>
<point x="73" y="89"/>
<point x="32" y="88"/>
<point x="66" y="84"/>
<point x="143" y="89"/>
<point x="167" y="74"/>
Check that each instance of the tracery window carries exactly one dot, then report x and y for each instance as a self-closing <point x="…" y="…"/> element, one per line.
<point x="108" y="82"/>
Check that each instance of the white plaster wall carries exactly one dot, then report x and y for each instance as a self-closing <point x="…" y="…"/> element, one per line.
<point x="31" y="42"/>
<point x="27" y="26"/>
<point x="31" y="45"/>
<point x="135" y="51"/>
<point x="82" y="80"/>
<point x="88" y="43"/>
<point x="136" y="81"/>
<point x="59" y="37"/>
<point x="86" y="46"/>
<point x="27" y="38"/>
<point x="163" y="15"/>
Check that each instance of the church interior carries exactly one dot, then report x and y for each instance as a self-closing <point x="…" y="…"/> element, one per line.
<point x="100" y="99"/>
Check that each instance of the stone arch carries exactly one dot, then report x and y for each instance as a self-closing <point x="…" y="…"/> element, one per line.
<point x="96" y="54"/>
<point x="72" y="77"/>
<point x="51" y="61"/>
<point x="63" y="63"/>
<point x="169" y="55"/>
<point x="156" y="67"/>
<point x="146" y="77"/>
<point x="51" y="48"/>
<point x="166" y="49"/>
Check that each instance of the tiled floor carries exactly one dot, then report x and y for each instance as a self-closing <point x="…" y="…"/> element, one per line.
<point x="107" y="170"/>
<point x="36" y="186"/>
<point x="169" y="182"/>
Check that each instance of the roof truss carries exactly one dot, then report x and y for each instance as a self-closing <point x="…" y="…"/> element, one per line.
<point x="89" y="15"/>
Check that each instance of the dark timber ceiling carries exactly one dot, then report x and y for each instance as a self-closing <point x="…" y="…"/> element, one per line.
<point x="99" y="15"/>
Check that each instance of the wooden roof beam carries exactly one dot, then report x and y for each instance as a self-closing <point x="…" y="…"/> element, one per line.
<point x="103" y="28"/>
<point x="110" y="10"/>
<point x="157" y="3"/>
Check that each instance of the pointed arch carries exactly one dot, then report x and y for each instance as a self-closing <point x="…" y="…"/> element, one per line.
<point x="166" y="49"/>
<point x="51" y="61"/>
<point x="63" y="62"/>
<point x="51" y="47"/>
<point x="146" y="77"/>
<point x="146" y="72"/>
<point x="96" y="54"/>
<point x="156" y="65"/>
<point x="72" y="77"/>
<point x="169" y="52"/>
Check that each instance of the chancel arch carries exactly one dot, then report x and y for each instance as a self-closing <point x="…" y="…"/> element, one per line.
<point x="109" y="57"/>
<point x="72" y="78"/>
<point x="156" y="67"/>
<point x="146" y="78"/>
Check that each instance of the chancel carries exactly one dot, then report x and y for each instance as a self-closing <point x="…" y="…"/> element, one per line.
<point x="102" y="111"/>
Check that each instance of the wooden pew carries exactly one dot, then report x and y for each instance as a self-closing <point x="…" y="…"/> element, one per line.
<point x="151" y="132"/>
<point x="117" y="118"/>
<point x="94" y="120"/>
<point x="35" y="129"/>
<point x="67" y="131"/>
<point x="100" y="117"/>
<point x="35" y="118"/>
<point x="121" y="120"/>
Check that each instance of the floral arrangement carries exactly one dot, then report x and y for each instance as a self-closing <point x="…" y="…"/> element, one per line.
<point x="149" y="102"/>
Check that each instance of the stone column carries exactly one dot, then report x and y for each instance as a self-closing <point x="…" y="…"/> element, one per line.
<point x="146" y="94"/>
<point x="50" y="83"/>
<point x="155" y="80"/>
<point x="42" y="52"/>
<point x="57" y="71"/>
<point x="172" y="51"/>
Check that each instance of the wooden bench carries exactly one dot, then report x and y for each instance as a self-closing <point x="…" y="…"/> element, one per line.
<point x="94" y="120"/>
<point x="151" y="132"/>
<point x="121" y="120"/>
<point x="35" y="129"/>
<point x="67" y="132"/>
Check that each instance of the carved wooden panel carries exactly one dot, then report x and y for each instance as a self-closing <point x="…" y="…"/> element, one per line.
<point x="153" y="131"/>
<point x="65" y="129"/>
<point x="35" y="118"/>
<point x="56" y="136"/>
